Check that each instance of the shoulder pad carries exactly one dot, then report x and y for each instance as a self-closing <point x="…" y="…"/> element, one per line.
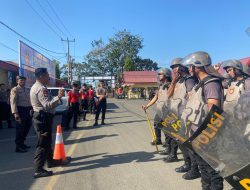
<point x="206" y="80"/>
<point x="188" y="77"/>
<point x="211" y="80"/>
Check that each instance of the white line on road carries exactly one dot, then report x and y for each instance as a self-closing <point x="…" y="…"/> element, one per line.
<point x="17" y="170"/>
<point x="29" y="137"/>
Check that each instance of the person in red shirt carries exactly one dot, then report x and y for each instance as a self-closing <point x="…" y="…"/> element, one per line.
<point x="91" y="95"/>
<point x="72" y="105"/>
<point x="84" y="100"/>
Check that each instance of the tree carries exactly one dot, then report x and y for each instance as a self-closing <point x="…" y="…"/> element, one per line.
<point x="123" y="45"/>
<point x="129" y="64"/>
<point x="145" y="65"/>
<point x="57" y="68"/>
<point x="109" y="59"/>
<point x="118" y="54"/>
<point x="78" y="69"/>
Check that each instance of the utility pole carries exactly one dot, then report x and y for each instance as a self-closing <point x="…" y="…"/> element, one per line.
<point x="69" y="61"/>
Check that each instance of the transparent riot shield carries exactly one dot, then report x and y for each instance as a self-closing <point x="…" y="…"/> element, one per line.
<point x="225" y="142"/>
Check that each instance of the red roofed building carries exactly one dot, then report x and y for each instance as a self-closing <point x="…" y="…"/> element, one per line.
<point x="140" y="83"/>
<point x="8" y="72"/>
<point x="245" y="61"/>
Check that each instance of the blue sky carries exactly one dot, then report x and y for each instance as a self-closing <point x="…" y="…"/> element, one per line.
<point x="170" y="28"/>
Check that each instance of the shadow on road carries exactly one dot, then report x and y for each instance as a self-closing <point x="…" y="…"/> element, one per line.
<point x="117" y="117"/>
<point x="110" y="160"/>
<point x="85" y="139"/>
<point x="112" y="106"/>
<point x="134" y="121"/>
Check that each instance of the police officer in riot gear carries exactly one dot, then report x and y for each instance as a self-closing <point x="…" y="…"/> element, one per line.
<point x="204" y="95"/>
<point x="181" y="85"/>
<point x="44" y="106"/>
<point x="164" y="76"/>
<point x="235" y="85"/>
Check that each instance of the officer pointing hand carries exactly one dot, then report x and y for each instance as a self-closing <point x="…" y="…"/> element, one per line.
<point x="61" y="93"/>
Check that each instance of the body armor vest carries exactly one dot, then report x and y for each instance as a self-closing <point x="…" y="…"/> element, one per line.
<point x="196" y="108"/>
<point x="162" y="99"/>
<point x="177" y="102"/>
<point x="233" y="93"/>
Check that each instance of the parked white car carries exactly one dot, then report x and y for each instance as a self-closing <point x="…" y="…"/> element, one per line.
<point x="54" y="91"/>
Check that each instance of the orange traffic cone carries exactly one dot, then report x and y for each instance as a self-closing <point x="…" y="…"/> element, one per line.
<point x="59" y="151"/>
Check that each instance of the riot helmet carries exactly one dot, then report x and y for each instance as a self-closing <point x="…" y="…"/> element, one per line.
<point x="165" y="72"/>
<point x="233" y="65"/>
<point x="201" y="59"/>
<point x="197" y="59"/>
<point x="177" y="62"/>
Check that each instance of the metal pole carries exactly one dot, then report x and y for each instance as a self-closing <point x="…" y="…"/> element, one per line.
<point x="69" y="60"/>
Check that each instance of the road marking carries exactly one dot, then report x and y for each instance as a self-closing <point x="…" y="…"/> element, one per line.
<point x="17" y="170"/>
<point x="50" y="185"/>
<point x="29" y="137"/>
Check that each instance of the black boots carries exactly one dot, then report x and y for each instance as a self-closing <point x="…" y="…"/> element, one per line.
<point x="184" y="168"/>
<point x="166" y="151"/>
<point x="171" y="158"/>
<point x="43" y="173"/>
<point x="191" y="175"/>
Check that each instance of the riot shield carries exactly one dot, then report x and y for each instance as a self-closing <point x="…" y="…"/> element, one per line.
<point x="225" y="142"/>
<point x="178" y="125"/>
<point x="172" y="124"/>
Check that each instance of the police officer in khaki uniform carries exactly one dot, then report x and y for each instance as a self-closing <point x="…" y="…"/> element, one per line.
<point x="44" y="108"/>
<point x="21" y="109"/>
<point x="101" y="93"/>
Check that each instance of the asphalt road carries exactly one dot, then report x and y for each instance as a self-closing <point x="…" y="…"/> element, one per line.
<point x="116" y="156"/>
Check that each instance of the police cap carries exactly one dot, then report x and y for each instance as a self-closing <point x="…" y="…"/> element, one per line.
<point x="40" y="71"/>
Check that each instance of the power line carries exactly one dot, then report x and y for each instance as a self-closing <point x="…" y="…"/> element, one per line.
<point x="45" y="12"/>
<point x="58" y="18"/>
<point x="28" y="39"/>
<point x="4" y="45"/>
<point x="42" y="19"/>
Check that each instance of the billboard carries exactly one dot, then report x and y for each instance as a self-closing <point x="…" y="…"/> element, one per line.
<point x="29" y="60"/>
